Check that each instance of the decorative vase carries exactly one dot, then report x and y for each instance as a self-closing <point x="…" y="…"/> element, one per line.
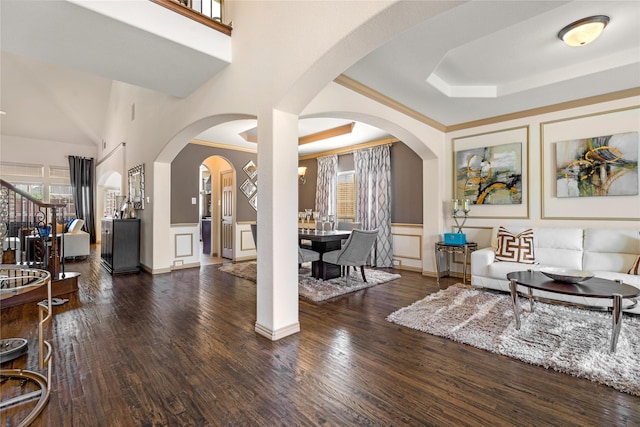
<point x="130" y="212"/>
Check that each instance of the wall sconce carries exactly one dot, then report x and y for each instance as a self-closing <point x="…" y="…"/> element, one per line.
<point x="463" y="205"/>
<point x="583" y="31"/>
<point x="302" y="170"/>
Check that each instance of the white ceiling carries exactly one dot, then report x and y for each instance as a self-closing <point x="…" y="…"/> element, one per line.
<point x="509" y="49"/>
<point x="477" y="60"/>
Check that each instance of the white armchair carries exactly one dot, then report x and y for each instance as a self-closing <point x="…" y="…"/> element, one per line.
<point x="76" y="242"/>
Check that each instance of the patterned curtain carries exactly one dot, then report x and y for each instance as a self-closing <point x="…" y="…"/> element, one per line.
<point x="373" y="207"/>
<point x="326" y="184"/>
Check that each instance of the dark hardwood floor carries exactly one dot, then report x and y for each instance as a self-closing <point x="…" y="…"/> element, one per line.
<point x="180" y="349"/>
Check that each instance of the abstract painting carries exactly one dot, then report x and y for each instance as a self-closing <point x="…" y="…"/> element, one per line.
<point x="598" y="166"/>
<point x="490" y="175"/>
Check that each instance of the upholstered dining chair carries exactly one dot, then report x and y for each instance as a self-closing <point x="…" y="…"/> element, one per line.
<point x="354" y="253"/>
<point x="307" y="255"/>
<point x="347" y="225"/>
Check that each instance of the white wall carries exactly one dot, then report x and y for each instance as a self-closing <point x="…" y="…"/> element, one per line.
<point x="16" y="149"/>
<point x="612" y="207"/>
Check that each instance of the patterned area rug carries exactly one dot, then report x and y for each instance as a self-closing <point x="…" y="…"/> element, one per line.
<point x="319" y="290"/>
<point x="565" y="339"/>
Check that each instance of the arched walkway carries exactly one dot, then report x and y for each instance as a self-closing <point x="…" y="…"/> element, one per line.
<point x="277" y="310"/>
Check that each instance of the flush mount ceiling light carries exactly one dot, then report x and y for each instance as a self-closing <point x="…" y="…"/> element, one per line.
<point x="583" y="31"/>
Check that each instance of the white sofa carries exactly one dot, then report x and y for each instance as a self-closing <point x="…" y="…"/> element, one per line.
<point x="76" y="242"/>
<point x="608" y="253"/>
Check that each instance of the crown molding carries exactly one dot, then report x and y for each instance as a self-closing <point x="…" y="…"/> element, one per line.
<point x="364" y="90"/>
<point x="373" y="94"/>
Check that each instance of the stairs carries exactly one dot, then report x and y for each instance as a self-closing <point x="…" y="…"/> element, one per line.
<point x="30" y="239"/>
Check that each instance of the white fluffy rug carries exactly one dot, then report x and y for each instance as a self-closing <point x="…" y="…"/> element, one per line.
<point x="319" y="290"/>
<point x="569" y="340"/>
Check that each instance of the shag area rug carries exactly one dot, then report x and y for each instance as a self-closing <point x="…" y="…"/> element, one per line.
<point x="566" y="339"/>
<point x="319" y="290"/>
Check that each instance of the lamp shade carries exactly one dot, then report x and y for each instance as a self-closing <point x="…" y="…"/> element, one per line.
<point x="302" y="170"/>
<point x="584" y="31"/>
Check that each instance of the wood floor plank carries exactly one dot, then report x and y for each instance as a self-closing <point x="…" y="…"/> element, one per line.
<point x="179" y="349"/>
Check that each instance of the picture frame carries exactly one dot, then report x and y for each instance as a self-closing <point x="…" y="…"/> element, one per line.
<point x="611" y="122"/>
<point x="248" y="188"/>
<point x="254" y="202"/>
<point x="498" y="141"/>
<point x="250" y="169"/>
<point x="136" y="186"/>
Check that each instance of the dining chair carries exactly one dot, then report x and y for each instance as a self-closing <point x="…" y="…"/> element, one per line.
<point x="354" y="253"/>
<point x="347" y="225"/>
<point x="307" y="255"/>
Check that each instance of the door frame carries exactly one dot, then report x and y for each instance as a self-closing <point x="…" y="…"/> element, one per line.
<point x="234" y="201"/>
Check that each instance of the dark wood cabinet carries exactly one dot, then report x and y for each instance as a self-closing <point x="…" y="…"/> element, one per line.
<point x="120" y="246"/>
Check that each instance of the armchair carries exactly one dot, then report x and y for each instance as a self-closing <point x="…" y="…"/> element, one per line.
<point x="76" y="242"/>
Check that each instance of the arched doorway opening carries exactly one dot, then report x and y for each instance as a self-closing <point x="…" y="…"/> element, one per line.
<point x="217" y="210"/>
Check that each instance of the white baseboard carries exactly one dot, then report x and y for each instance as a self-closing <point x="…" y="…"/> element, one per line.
<point x="278" y="334"/>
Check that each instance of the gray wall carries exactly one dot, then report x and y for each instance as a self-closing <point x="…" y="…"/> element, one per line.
<point x="184" y="181"/>
<point x="406" y="183"/>
<point x="307" y="191"/>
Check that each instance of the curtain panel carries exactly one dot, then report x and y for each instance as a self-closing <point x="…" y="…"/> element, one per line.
<point x="82" y="174"/>
<point x="373" y="206"/>
<point x="327" y="184"/>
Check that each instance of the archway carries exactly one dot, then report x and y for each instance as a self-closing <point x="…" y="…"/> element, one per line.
<point x="214" y="212"/>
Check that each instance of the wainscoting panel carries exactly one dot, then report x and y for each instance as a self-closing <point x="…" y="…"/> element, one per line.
<point x="407" y="246"/>
<point x="244" y="247"/>
<point x="186" y="245"/>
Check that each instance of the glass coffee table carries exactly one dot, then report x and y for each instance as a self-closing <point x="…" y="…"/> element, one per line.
<point x="594" y="287"/>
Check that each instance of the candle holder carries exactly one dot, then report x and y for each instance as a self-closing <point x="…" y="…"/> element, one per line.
<point x="462" y="207"/>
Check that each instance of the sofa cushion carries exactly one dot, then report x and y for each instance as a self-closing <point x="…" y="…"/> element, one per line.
<point x="610" y="249"/>
<point x="76" y="226"/>
<point x="515" y="247"/>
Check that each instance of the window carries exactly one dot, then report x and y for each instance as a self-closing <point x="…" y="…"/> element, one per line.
<point x="62" y="193"/>
<point x="20" y="208"/>
<point x="61" y="172"/>
<point x="21" y="169"/>
<point x="346" y="194"/>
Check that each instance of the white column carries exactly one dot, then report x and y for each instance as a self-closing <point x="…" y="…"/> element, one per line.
<point x="277" y="287"/>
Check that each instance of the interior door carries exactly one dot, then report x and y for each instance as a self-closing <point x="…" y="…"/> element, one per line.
<point x="226" y="208"/>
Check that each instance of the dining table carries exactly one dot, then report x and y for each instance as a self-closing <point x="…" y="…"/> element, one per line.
<point x="321" y="242"/>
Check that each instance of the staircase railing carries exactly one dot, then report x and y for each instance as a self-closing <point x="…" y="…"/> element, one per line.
<point x="29" y="231"/>
<point x="206" y="12"/>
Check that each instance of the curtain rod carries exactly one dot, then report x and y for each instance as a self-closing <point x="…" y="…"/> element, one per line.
<point x="117" y="147"/>
<point x="80" y="157"/>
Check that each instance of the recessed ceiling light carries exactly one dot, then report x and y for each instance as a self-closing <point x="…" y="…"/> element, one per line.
<point x="583" y="31"/>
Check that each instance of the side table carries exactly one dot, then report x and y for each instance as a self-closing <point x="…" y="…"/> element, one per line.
<point x="448" y="250"/>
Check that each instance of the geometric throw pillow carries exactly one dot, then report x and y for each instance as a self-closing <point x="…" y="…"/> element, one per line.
<point x="515" y="247"/>
<point x="635" y="268"/>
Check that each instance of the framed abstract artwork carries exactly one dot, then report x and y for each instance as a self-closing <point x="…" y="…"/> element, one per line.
<point x="589" y="166"/>
<point x="598" y="166"/>
<point x="490" y="175"/>
<point x="491" y="170"/>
